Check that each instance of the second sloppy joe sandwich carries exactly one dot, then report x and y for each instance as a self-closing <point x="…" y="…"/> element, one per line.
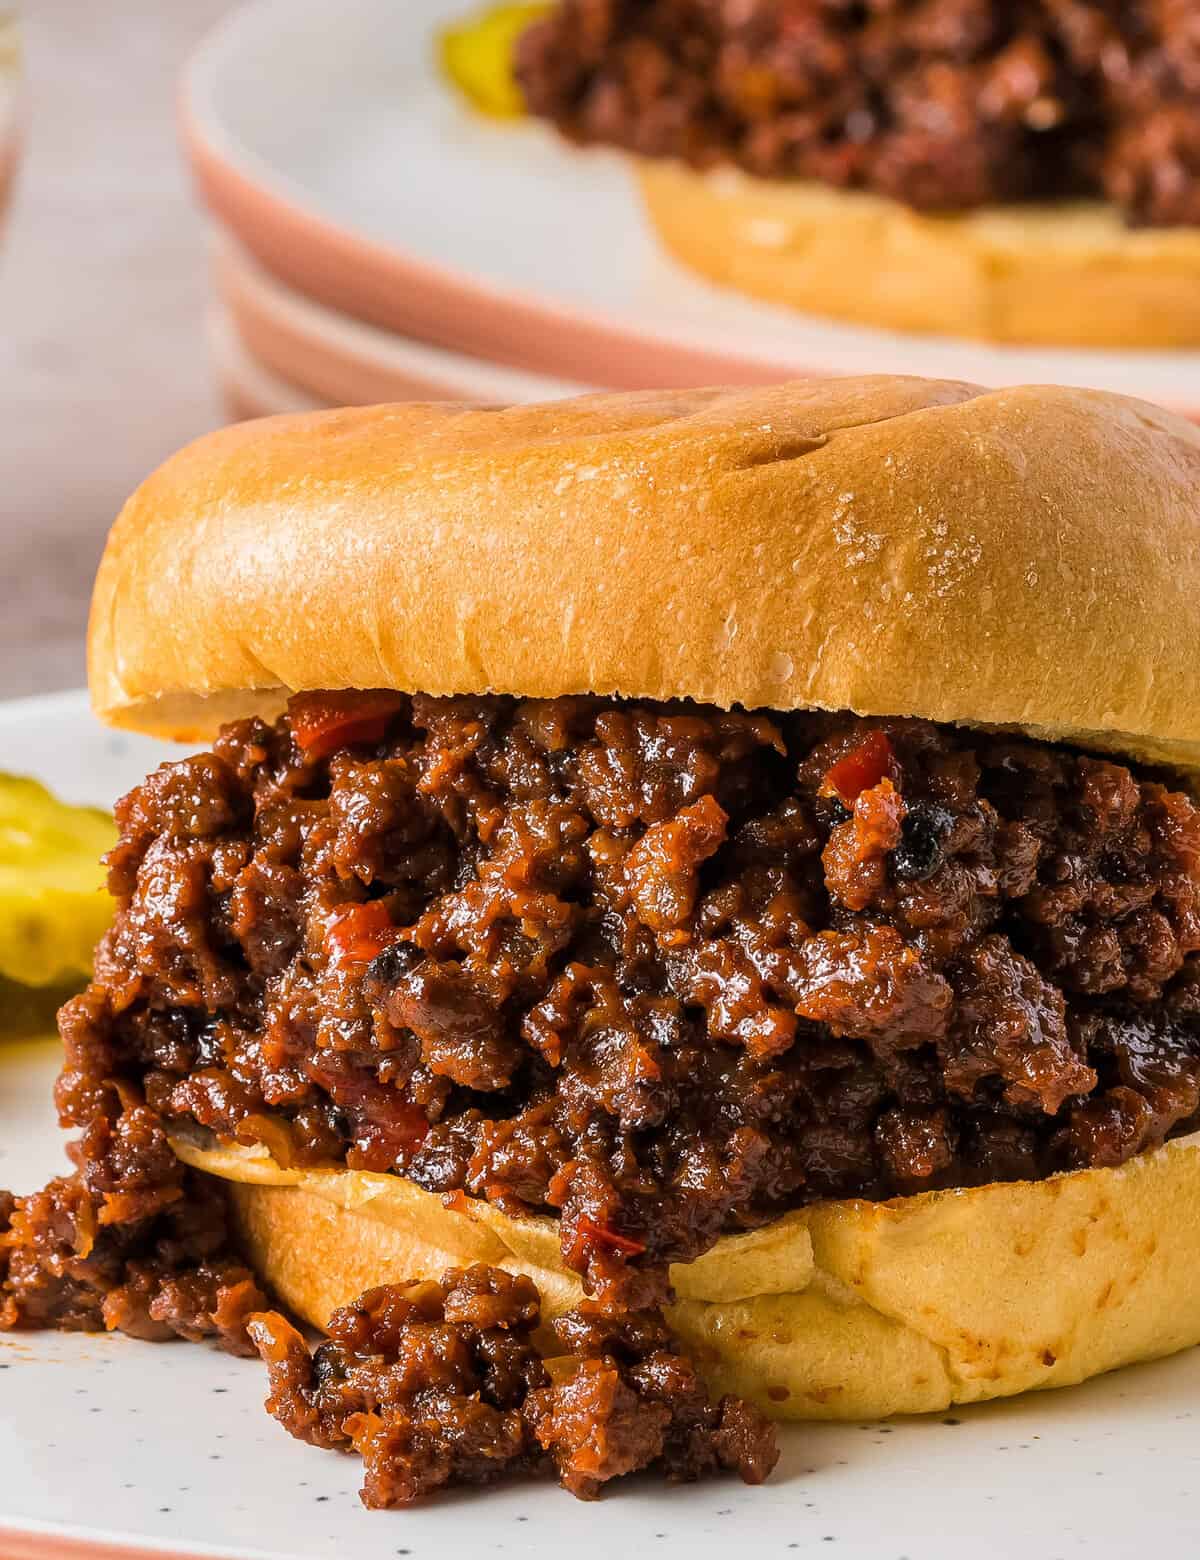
<point x="1015" y="172"/>
<point x="725" y="848"/>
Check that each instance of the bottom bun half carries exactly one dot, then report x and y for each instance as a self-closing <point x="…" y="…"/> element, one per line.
<point x="843" y="1310"/>
<point x="1070" y="274"/>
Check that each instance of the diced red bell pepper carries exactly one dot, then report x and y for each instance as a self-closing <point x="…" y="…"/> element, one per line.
<point x="356" y="933"/>
<point x="600" y="1235"/>
<point x="324" y="722"/>
<point x="863" y="767"/>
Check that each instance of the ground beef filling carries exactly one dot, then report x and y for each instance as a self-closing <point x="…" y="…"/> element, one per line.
<point x="68" y="1261"/>
<point x="942" y="104"/>
<point x="439" y="1383"/>
<point x="661" y="970"/>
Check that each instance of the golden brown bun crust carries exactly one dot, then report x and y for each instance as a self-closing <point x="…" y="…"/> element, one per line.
<point x="892" y="546"/>
<point x="840" y="1311"/>
<point x="1064" y="275"/>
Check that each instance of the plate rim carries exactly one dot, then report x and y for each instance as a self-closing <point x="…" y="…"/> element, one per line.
<point x="410" y="297"/>
<point x="367" y="279"/>
<point x="379" y="282"/>
<point x="36" y="1540"/>
<point x="288" y="331"/>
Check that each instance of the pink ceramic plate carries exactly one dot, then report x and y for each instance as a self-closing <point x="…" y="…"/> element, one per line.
<point x="10" y="106"/>
<point x="383" y="130"/>
<point x="324" y="139"/>
<point x="248" y="387"/>
<point x="343" y="361"/>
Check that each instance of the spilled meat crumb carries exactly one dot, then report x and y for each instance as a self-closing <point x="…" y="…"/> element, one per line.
<point x="442" y="1383"/>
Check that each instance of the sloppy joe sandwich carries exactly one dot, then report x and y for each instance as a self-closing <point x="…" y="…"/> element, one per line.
<point x="732" y="850"/>
<point x="1016" y="172"/>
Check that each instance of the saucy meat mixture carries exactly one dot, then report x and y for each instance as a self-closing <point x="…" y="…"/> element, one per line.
<point x="662" y="970"/>
<point x="942" y="104"/>
<point x="436" y="1383"/>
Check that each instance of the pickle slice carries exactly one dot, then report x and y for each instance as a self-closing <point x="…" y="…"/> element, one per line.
<point x="476" y="54"/>
<point x="30" y="1012"/>
<point x="53" y="903"/>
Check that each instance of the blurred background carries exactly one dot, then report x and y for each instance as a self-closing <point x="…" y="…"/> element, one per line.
<point x="103" y="364"/>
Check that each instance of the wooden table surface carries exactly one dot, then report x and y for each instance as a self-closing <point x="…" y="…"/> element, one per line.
<point x="103" y="288"/>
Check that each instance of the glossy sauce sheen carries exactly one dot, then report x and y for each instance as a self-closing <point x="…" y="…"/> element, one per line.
<point x="942" y="104"/>
<point x="664" y="970"/>
<point x="441" y="1382"/>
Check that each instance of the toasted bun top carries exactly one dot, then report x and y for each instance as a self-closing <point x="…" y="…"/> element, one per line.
<point x="1025" y="557"/>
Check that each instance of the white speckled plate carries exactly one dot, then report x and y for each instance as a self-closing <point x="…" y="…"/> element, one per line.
<point x="111" y="1448"/>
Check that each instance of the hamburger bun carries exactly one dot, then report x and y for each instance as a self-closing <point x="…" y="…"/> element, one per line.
<point x="891" y="546"/>
<point x="1024" y="558"/>
<point x="1072" y="274"/>
<point x="843" y="1310"/>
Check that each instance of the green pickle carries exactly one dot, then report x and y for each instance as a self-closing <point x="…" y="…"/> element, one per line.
<point x="476" y="54"/>
<point x="53" y="903"/>
<point x="30" y="1012"/>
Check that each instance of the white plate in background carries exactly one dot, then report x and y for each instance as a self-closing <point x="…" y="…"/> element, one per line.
<point x="335" y="152"/>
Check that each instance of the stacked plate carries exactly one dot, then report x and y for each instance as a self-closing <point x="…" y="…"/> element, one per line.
<point x="378" y="240"/>
<point x="278" y="350"/>
<point x="10" y="104"/>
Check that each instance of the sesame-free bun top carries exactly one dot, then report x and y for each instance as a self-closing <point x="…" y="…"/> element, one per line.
<point x="1026" y="557"/>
